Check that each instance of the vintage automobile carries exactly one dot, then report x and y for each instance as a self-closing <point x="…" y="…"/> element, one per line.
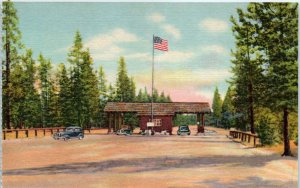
<point x="70" y="132"/>
<point x="124" y="132"/>
<point x="183" y="130"/>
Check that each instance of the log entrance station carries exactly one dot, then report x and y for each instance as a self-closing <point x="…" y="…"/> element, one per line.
<point x="163" y="114"/>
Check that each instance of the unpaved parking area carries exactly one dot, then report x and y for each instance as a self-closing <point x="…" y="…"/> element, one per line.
<point x="141" y="161"/>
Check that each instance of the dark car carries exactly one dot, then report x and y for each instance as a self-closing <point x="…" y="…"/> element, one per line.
<point x="70" y="132"/>
<point x="183" y="130"/>
<point x="124" y="132"/>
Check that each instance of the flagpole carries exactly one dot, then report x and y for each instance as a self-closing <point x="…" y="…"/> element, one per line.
<point x="152" y="79"/>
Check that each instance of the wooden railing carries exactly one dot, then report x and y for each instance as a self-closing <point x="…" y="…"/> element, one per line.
<point x="41" y="131"/>
<point x="244" y="137"/>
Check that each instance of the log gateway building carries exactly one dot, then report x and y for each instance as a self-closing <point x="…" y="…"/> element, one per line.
<point x="163" y="114"/>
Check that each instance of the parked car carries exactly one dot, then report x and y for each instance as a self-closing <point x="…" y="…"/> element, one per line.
<point x="183" y="130"/>
<point x="124" y="132"/>
<point x="70" y="132"/>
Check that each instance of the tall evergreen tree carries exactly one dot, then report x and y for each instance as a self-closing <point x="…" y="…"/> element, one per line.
<point x="11" y="43"/>
<point x="247" y="67"/>
<point x="103" y="96"/>
<point x="139" y="97"/>
<point x="65" y="96"/>
<point x="228" y="109"/>
<point x="145" y="96"/>
<point x="31" y="101"/>
<point x="46" y="89"/>
<point x="123" y="91"/>
<point x="217" y="105"/>
<point x="277" y="36"/>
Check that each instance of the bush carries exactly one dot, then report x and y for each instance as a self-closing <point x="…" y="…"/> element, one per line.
<point x="267" y="131"/>
<point x="296" y="140"/>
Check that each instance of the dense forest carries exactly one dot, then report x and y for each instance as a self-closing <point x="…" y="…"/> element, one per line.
<point x="37" y="95"/>
<point x="263" y="92"/>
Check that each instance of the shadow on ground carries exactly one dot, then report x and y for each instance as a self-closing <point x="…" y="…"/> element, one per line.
<point x="252" y="181"/>
<point x="146" y="164"/>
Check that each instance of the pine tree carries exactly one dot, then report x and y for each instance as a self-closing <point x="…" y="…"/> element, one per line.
<point x="64" y="98"/>
<point x="18" y="96"/>
<point x="11" y="42"/>
<point x="123" y="92"/>
<point x="31" y="100"/>
<point x="90" y="94"/>
<point x="228" y="109"/>
<point x="217" y="105"/>
<point x="155" y="95"/>
<point x="247" y="67"/>
<point x="139" y="97"/>
<point x="277" y="26"/>
<point x="111" y="93"/>
<point x="132" y="90"/>
<point x="75" y="58"/>
<point x="145" y="96"/>
<point x="103" y="97"/>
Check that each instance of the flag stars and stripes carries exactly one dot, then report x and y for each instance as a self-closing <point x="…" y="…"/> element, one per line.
<point x="160" y="44"/>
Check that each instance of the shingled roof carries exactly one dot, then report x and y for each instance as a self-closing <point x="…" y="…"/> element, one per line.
<point x="158" y="108"/>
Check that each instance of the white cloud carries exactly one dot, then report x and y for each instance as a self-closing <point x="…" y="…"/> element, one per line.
<point x="156" y="17"/>
<point x="175" y="56"/>
<point x="172" y="30"/>
<point x="214" y="49"/>
<point x="105" y="46"/>
<point x="168" y="28"/>
<point x="213" y="25"/>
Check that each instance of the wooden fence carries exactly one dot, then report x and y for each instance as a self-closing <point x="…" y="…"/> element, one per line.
<point x="42" y="131"/>
<point x="244" y="137"/>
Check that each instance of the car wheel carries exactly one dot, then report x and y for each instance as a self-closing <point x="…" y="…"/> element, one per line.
<point x="80" y="137"/>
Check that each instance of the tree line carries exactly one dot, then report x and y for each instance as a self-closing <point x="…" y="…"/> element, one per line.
<point x="37" y="95"/>
<point x="263" y="92"/>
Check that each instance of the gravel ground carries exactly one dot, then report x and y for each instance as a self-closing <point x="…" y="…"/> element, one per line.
<point x="206" y="160"/>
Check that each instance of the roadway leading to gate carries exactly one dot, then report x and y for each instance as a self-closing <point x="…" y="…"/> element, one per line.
<point x="139" y="161"/>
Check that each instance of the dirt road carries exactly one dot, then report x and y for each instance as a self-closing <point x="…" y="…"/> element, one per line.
<point x="212" y="160"/>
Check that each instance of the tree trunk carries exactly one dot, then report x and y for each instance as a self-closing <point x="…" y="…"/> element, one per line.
<point x="6" y="86"/>
<point x="287" y="149"/>
<point x="251" y="111"/>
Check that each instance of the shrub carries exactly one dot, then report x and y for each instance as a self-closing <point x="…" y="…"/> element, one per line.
<point x="267" y="131"/>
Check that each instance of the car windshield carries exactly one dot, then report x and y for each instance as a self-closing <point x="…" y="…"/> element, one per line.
<point x="69" y="129"/>
<point x="184" y="128"/>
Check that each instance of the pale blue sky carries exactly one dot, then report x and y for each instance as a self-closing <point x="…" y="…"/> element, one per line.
<point x="199" y="35"/>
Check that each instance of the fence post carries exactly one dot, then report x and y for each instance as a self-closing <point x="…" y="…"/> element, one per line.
<point x="57" y="130"/>
<point x="249" y="138"/>
<point x="35" y="132"/>
<point x="44" y="132"/>
<point x="26" y="132"/>
<point x="254" y="141"/>
<point x="4" y="135"/>
<point x="17" y="134"/>
<point x="51" y="131"/>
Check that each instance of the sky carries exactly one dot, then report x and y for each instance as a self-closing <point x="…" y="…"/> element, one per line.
<point x="199" y="36"/>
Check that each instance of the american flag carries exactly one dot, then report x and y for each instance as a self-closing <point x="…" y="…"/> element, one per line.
<point x="160" y="44"/>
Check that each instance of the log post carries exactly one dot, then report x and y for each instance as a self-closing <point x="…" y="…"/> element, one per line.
<point x="26" y="132"/>
<point x="249" y="138"/>
<point x="35" y="132"/>
<point x="119" y="121"/>
<point x="51" y="131"/>
<point x="254" y="141"/>
<point x="4" y="135"/>
<point x="109" y="122"/>
<point x="17" y="133"/>
<point x="115" y="122"/>
<point x="44" y="132"/>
